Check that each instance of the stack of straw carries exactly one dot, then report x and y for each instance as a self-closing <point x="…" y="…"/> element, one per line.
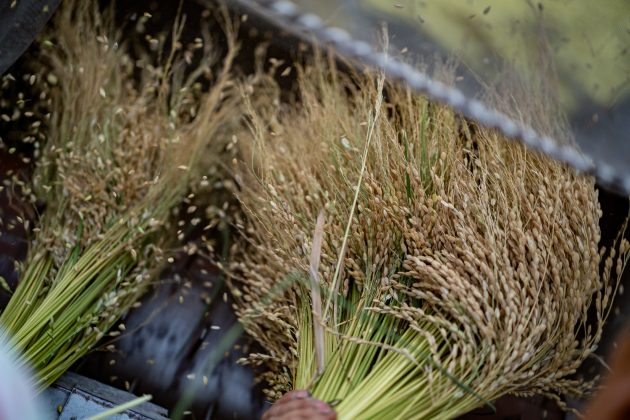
<point x="398" y="261"/>
<point x="125" y="143"/>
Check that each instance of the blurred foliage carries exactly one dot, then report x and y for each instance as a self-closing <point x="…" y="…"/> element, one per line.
<point x="588" y="40"/>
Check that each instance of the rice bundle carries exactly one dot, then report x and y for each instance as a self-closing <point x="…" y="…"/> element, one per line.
<point x="126" y="138"/>
<point x="398" y="261"/>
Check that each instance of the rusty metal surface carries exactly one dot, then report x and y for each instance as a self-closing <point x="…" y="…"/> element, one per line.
<point x="76" y="397"/>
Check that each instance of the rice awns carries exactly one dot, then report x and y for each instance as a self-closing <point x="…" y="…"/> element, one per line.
<point x="467" y="266"/>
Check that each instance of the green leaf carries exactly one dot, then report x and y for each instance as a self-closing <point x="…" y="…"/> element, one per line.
<point x="5" y="285"/>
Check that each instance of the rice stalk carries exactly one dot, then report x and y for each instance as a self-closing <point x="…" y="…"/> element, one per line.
<point x="470" y="266"/>
<point x="126" y="141"/>
<point x="121" y="408"/>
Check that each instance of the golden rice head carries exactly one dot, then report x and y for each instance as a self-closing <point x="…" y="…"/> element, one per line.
<point x="497" y="245"/>
<point x="123" y="129"/>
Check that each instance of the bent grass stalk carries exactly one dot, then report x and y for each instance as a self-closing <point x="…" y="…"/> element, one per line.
<point x="121" y="408"/>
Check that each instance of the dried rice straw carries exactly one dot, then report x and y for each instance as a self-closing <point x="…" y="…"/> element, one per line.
<point x="119" y="160"/>
<point x="470" y="267"/>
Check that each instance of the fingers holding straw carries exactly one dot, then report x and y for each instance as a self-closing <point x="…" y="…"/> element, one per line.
<point x="299" y="405"/>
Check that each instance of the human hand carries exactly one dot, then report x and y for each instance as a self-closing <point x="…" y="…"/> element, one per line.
<point x="298" y="405"/>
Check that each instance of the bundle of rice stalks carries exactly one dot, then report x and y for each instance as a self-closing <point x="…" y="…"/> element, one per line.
<point x="398" y="261"/>
<point x="126" y="138"/>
